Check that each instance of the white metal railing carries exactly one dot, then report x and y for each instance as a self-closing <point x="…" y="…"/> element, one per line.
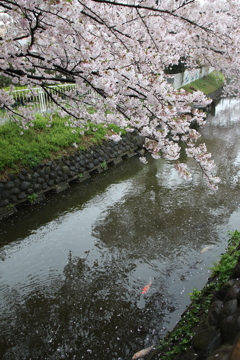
<point x="39" y="100"/>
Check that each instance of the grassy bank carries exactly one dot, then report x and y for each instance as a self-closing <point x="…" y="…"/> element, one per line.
<point x="208" y="84"/>
<point x="42" y="142"/>
<point x="178" y="341"/>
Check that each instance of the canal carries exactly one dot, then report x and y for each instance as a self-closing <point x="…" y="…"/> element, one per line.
<point x="73" y="267"/>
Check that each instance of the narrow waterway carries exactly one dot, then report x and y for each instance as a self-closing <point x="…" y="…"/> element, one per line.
<point x="72" y="268"/>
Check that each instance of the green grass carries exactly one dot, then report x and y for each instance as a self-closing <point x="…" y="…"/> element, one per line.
<point x="208" y="84"/>
<point x="228" y="261"/>
<point x="40" y="142"/>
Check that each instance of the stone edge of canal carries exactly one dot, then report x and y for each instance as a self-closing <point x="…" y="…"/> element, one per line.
<point x="210" y="326"/>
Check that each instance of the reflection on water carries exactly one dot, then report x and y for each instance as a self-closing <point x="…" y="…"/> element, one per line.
<point x="72" y="269"/>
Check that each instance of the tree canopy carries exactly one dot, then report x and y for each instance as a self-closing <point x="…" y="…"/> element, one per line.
<point x="115" y="52"/>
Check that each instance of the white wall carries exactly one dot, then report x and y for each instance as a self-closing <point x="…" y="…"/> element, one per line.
<point x="189" y="76"/>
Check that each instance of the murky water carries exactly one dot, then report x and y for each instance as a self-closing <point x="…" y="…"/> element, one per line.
<point x="74" y="266"/>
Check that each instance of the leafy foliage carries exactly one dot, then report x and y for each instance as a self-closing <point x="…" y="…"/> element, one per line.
<point x="228" y="261"/>
<point x="32" y="198"/>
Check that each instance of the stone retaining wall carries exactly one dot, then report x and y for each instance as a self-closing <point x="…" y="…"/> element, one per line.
<point x="220" y="335"/>
<point x="216" y="95"/>
<point x="217" y="335"/>
<point x="31" y="185"/>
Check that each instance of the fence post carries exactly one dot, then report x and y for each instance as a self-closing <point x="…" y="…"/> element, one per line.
<point x="42" y="100"/>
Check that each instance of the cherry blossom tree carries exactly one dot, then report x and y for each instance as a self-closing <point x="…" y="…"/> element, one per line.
<point x="115" y="53"/>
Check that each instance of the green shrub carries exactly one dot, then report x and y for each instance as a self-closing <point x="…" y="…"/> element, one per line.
<point x="31" y="160"/>
<point x="4" y="81"/>
<point x="40" y="122"/>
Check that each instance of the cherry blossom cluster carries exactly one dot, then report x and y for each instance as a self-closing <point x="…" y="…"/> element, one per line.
<point x="115" y="52"/>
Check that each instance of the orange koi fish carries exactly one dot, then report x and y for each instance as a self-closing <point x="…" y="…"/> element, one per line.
<point x="147" y="287"/>
<point x="140" y="354"/>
